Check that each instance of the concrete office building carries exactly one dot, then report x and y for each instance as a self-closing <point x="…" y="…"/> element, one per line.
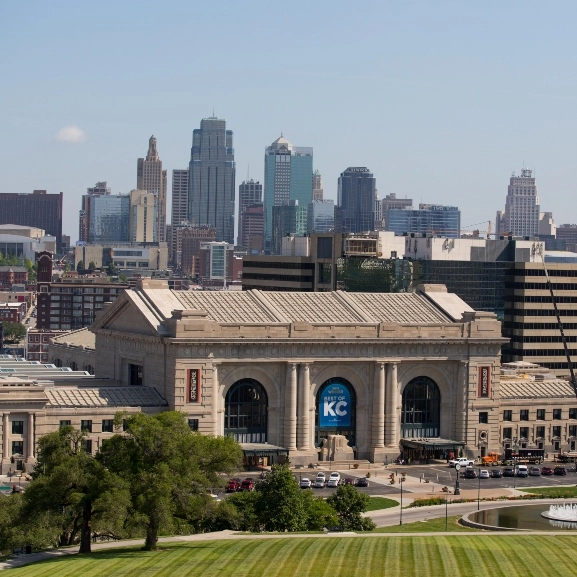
<point x="143" y="217"/>
<point x="151" y="177"/>
<point x="288" y="173"/>
<point x="180" y="185"/>
<point x="318" y="193"/>
<point x="391" y="202"/>
<point x="38" y="210"/>
<point x="124" y="256"/>
<point x="521" y="214"/>
<point x="321" y="216"/>
<point x="212" y="178"/>
<point x="355" y="211"/>
<point x="192" y="238"/>
<point x="252" y="239"/>
<point x="430" y="219"/>
<point x="249" y="194"/>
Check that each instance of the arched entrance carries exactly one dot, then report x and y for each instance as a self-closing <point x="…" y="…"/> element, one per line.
<point x="245" y="414"/>
<point x="335" y="411"/>
<point x="421" y="412"/>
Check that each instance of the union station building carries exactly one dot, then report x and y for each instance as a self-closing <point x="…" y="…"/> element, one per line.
<point x="313" y="376"/>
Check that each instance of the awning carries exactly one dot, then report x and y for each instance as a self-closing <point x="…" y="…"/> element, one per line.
<point x="263" y="450"/>
<point x="432" y="444"/>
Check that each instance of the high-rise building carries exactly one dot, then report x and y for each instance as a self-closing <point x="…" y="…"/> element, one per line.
<point x="391" y="202"/>
<point x="355" y="210"/>
<point x="143" y="216"/>
<point x="431" y="219"/>
<point x="289" y="218"/>
<point x="38" y="209"/>
<point x="212" y="178"/>
<point x="321" y="216"/>
<point x="253" y="229"/>
<point x="249" y="194"/>
<point x="521" y="215"/>
<point x="152" y="178"/>
<point x="288" y="173"/>
<point x="180" y="183"/>
<point x="192" y="237"/>
<point x="317" y="186"/>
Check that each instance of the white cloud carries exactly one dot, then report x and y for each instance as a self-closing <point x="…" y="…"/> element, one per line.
<point x="71" y="134"/>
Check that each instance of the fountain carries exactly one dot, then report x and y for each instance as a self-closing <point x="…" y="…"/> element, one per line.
<point x="567" y="513"/>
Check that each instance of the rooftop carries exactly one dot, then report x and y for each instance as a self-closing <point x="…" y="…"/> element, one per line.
<point x="81" y="338"/>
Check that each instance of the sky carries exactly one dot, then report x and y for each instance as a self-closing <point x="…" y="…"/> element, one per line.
<point x="442" y="100"/>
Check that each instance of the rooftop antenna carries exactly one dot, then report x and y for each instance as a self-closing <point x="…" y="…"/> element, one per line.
<point x="248" y="172"/>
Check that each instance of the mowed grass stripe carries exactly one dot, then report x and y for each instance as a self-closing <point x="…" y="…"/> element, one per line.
<point x="282" y="548"/>
<point x="366" y="559"/>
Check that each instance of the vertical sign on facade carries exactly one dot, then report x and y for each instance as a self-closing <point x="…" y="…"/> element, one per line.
<point x="193" y="385"/>
<point x="484" y="382"/>
<point x="335" y="406"/>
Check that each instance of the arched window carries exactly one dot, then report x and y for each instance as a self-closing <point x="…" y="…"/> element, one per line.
<point x="246" y="409"/>
<point x="57" y="362"/>
<point x="421" y="414"/>
<point x="89" y="369"/>
<point x="335" y="411"/>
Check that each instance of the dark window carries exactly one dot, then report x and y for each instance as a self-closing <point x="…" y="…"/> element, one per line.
<point x="508" y="416"/>
<point x="107" y="426"/>
<point x="65" y="424"/>
<point x="540" y="432"/>
<point x="483" y="417"/>
<point x="193" y="424"/>
<point x="524" y="432"/>
<point x="325" y="247"/>
<point x="573" y="430"/>
<point x="86" y="426"/>
<point x="507" y="432"/>
<point x="557" y="414"/>
<point x="573" y="413"/>
<point x="17" y="427"/>
<point x="125" y="425"/>
<point x="540" y="414"/>
<point x="87" y="445"/>
<point x="135" y="374"/>
<point x="246" y="412"/>
<point x="420" y="416"/>
<point x="556" y="431"/>
<point x="17" y="447"/>
<point x="524" y="415"/>
<point x="325" y="273"/>
<point x="73" y="365"/>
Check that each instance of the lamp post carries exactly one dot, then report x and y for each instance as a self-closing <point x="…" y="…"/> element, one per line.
<point x="457" y="490"/>
<point x="479" y="491"/>
<point x="401" y="513"/>
<point x="447" y="511"/>
<point x="515" y="451"/>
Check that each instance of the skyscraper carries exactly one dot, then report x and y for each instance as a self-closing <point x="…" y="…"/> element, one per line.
<point x="104" y="218"/>
<point x="321" y="216"/>
<point x="355" y="210"/>
<point x="434" y="219"/>
<point x="288" y="218"/>
<point x="521" y="215"/>
<point x="249" y="193"/>
<point x="143" y="216"/>
<point x="152" y="178"/>
<point x="212" y="178"/>
<point x="180" y="183"/>
<point x="317" y="186"/>
<point x="288" y="173"/>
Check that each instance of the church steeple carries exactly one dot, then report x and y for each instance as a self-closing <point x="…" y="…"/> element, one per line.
<point x="152" y="151"/>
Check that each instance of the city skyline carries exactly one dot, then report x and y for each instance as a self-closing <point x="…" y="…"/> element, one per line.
<point x="447" y="118"/>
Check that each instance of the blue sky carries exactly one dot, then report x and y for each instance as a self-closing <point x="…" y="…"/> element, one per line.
<point x="442" y="100"/>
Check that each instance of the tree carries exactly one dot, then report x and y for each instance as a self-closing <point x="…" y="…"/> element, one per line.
<point x="80" y="266"/>
<point x="168" y="467"/>
<point x="13" y="332"/>
<point x="91" y="265"/>
<point x="111" y="270"/>
<point x="349" y="503"/>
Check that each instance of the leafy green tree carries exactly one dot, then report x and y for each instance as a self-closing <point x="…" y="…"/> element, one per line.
<point x="13" y="332"/>
<point x="168" y="467"/>
<point x="111" y="270"/>
<point x="80" y="266"/>
<point x="91" y="265"/>
<point x="349" y="503"/>
<point x="122" y="278"/>
<point x="240" y="514"/>
<point x="319" y="514"/>
<point x="9" y="526"/>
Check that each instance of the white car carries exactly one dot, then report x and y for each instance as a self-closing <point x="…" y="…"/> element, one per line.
<point x="336" y="476"/>
<point x="484" y="474"/>
<point x="333" y="483"/>
<point x="305" y="483"/>
<point x="463" y="461"/>
<point x="322" y="476"/>
<point x="319" y="483"/>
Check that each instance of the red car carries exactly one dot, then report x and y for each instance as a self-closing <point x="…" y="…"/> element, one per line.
<point x="247" y="485"/>
<point x="233" y="485"/>
<point x="546" y="471"/>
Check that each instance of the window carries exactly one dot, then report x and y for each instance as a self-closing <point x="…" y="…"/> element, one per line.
<point x="573" y="430"/>
<point x="107" y="426"/>
<point x="524" y="432"/>
<point x="524" y="415"/>
<point x="573" y="413"/>
<point x="507" y="433"/>
<point x="86" y="426"/>
<point x="17" y="427"/>
<point x="125" y="425"/>
<point x="557" y="414"/>
<point x="193" y="424"/>
<point x="540" y="432"/>
<point x="87" y="445"/>
<point x="135" y="374"/>
<point x="65" y="424"/>
<point x="508" y="416"/>
<point x="17" y="447"/>
<point x="483" y="417"/>
<point x="556" y="432"/>
<point x="540" y="414"/>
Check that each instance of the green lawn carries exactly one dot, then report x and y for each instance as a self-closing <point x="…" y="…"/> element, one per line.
<point x="455" y="556"/>
<point x="378" y="503"/>
<point x="431" y="525"/>
<point x="553" y="492"/>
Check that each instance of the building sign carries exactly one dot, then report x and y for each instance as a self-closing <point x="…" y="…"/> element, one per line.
<point x="357" y="169"/>
<point x="335" y="406"/>
<point x="193" y="385"/>
<point x="484" y="382"/>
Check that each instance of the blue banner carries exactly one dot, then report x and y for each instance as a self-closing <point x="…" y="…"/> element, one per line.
<point x="335" y="406"/>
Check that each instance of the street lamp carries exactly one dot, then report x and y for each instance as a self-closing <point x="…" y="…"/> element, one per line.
<point x="447" y="511"/>
<point x="401" y="514"/>
<point x="457" y="490"/>
<point x="515" y="451"/>
<point x="479" y="490"/>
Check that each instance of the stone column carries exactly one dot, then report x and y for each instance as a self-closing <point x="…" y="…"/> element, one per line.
<point x="461" y="404"/>
<point x="378" y="416"/>
<point x="5" y="453"/>
<point x="392" y="421"/>
<point x="304" y="408"/>
<point x="30" y="442"/>
<point x="291" y="408"/>
<point x="215" y="401"/>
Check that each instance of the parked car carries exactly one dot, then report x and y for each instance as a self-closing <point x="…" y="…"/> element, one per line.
<point x="508" y="472"/>
<point x="335" y="475"/>
<point x="319" y="483"/>
<point x="305" y="483"/>
<point x="470" y="473"/>
<point x="247" y="485"/>
<point x="547" y="471"/>
<point x="322" y="476"/>
<point x="496" y="473"/>
<point x="522" y="471"/>
<point x="333" y="482"/>
<point x="560" y="471"/>
<point x="232" y="486"/>
<point x="534" y="471"/>
<point x="362" y="482"/>
<point x="484" y="474"/>
<point x="463" y="461"/>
